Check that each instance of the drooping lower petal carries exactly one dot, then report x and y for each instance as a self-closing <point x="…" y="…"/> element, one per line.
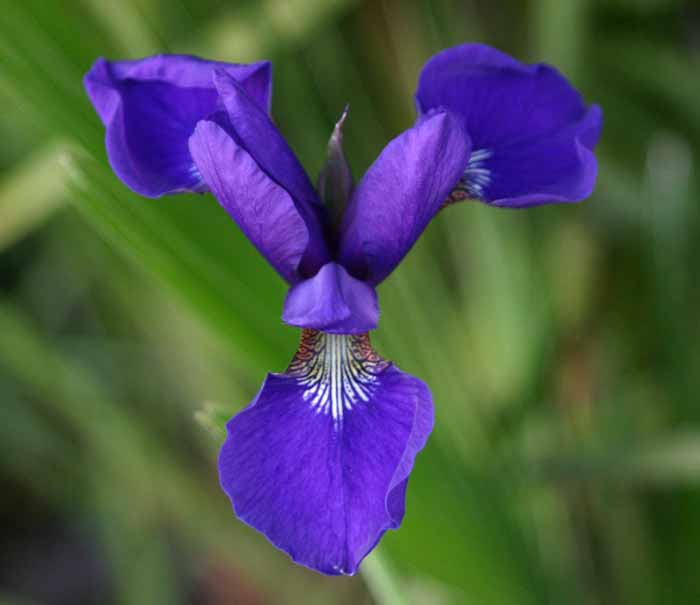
<point x="554" y="169"/>
<point x="400" y="194"/>
<point x="319" y="461"/>
<point x="150" y="108"/>
<point x="332" y="301"/>
<point x="531" y="131"/>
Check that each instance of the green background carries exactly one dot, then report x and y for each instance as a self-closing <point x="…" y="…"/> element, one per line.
<point x="561" y="344"/>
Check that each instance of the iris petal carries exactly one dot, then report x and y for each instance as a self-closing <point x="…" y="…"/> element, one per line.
<point x="400" y="194"/>
<point x="557" y="168"/>
<point x="259" y="136"/>
<point x="319" y="461"/>
<point x="262" y="209"/>
<point x="150" y="108"/>
<point x="531" y="130"/>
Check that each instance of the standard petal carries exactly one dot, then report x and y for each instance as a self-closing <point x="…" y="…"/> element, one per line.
<point x="400" y="193"/>
<point x="255" y="131"/>
<point x="531" y="132"/>
<point x="262" y="209"/>
<point x="319" y="461"/>
<point x="150" y="108"/>
<point x="332" y="301"/>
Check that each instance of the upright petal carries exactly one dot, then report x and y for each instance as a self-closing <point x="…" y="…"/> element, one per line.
<point x="262" y="209"/>
<point x="150" y="108"/>
<point x="530" y="130"/>
<point x="255" y="131"/>
<point x="319" y="461"/>
<point x="332" y="301"/>
<point x="400" y="193"/>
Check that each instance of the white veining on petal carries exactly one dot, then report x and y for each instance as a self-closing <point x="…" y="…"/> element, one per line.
<point x="337" y="371"/>
<point x="198" y="186"/>
<point x="475" y="179"/>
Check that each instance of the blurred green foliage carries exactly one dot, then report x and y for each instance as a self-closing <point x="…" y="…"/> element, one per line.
<point x="562" y="344"/>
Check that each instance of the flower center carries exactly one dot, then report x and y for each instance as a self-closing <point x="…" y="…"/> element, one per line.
<point x="337" y="371"/>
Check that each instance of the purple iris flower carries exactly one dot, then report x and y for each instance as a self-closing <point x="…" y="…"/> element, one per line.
<point x="319" y="461"/>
